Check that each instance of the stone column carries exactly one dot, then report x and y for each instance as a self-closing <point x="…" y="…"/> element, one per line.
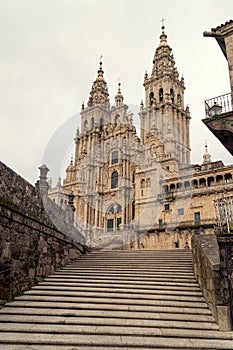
<point x="42" y="185"/>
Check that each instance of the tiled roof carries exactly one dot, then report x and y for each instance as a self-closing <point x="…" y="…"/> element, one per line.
<point x="222" y="25"/>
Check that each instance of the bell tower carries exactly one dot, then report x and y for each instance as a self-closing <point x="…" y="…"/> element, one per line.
<point x="164" y="116"/>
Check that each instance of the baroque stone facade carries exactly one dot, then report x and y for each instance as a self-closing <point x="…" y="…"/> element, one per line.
<point x="142" y="192"/>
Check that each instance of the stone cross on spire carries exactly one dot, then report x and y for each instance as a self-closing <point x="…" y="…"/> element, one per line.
<point x="162" y="21"/>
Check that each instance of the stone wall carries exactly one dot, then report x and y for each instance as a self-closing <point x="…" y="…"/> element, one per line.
<point x="34" y="241"/>
<point x="208" y="271"/>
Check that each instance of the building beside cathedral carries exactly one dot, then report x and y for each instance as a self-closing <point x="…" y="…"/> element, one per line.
<point x="142" y="192"/>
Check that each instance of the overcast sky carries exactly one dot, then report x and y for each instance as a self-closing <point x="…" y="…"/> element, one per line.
<point x="50" y="53"/>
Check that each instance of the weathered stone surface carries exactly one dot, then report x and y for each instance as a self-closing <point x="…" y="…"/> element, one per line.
<point x="211" y="274"/>
<point x="34" y="241"/>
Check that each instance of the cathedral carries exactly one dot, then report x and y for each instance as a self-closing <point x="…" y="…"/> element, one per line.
<point x="134" y="192"/>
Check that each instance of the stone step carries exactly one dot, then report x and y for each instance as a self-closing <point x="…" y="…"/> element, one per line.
<point x="139" y="276"/>
<point x="81" y="347"/>
<point x="126" y="272"/>
<point x="122" y="279"/>
<point x="115" y="300"/>
<point x="148" y="305"/>
<point x="159" y="286"/>
<point x="67" y="291"/>
<point x="108" y="330"/>
<point x="123" y="341"/>
<point x="111" y="310"/>
<point x="43" y="316"/>
<point x="172" y="266"/>
<point x="127" y="260"/>
<point x="179" y="253"/>
<point x="121" y="287"/>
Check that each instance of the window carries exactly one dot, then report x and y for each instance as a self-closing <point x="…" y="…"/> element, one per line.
<point x="114" y="180"/>
<point x="176" y="244"/>
<point x="151" y="98"/>
<point x="161" y="95"/>
<point x="181" y="211"/>
<point x="148" y="182"/>
<point x="133" y="210"/>
<point x="178" y="98"/>
<point x="172" y="95"/>
<point x="101" y="124"/>
<point x="85" y="125"/>
<point x="143" y="183"/>
<point x="114" y="157"/>
<point x="167" y="167"/>
<point x="167" y="207"/>
<point x="111" y="210"/>
<point x="197" y="218"/>
<point x="133" y="177"/>
<point x="117" y="119"/>
<point x="118" y="223"/>
<point x="160" y="223"/>
<point x="92" y="123"/>
<point x="110" y="224"/>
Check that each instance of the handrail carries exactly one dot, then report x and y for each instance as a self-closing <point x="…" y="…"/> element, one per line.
<point x="225" y="101"/>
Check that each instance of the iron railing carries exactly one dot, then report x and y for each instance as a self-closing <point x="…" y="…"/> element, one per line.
<point x="225" y="101"/>
<point x="224" y="214"/>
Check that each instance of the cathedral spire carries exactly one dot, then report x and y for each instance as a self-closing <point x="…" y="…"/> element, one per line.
<point x="164" y="63"/>
<point x="206" y="156"/>
<point x="119" y="97"/>
<point x="99" y="92"/>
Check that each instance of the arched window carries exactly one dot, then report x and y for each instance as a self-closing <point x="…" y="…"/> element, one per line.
<point x="151" y="98"/>
<point x="161" y="94"/>
<point x="148" y="182"/>
<point x="202" y="182"/>
<point x="172" y="187"/>
<point x="194" y="183"/>
<point x="228" y="178"/>
<point x="133" y="177"/>
<point x="219" y="179"/>
<point x="92" y="123"/>
<point x="143" y="183"/>
<point x="172" y="95"/>
<point x="117" y="119"/>
<point x="179" y="186"/>
<point x="210" y="181"/>
<point x="178" y="98"/>
<point x="114" y="157"/>
<point x="85" y="125"/>
<point x="114" y="180"/>
<point x="110" y="210"/>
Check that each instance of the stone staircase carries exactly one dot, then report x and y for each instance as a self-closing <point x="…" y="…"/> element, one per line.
<point x="112" y="300"/>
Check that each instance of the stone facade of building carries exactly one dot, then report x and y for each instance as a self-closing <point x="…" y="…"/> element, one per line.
<point x="143" y="192"/>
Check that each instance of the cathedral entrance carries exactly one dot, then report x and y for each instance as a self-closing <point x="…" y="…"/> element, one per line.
<point x="113" y="218"/>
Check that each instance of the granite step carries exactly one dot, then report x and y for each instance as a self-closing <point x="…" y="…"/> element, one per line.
<point x="112" y="300"/>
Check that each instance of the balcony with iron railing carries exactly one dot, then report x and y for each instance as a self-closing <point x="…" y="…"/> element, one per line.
<point x="222" y="101"/>
<point x="219" y="119"/>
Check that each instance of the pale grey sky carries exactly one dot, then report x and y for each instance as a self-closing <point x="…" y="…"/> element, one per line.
<point x="49" y="55"/>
